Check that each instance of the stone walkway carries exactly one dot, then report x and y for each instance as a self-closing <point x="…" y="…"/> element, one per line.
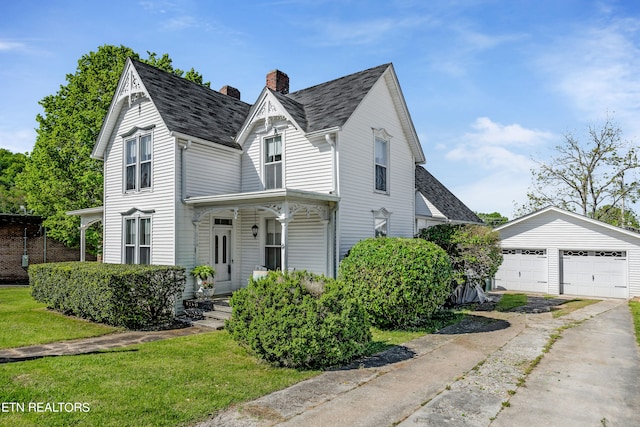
<point x="94" y="344"/>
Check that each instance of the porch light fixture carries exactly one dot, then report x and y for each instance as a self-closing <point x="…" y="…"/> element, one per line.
<point x="254" y="229"/>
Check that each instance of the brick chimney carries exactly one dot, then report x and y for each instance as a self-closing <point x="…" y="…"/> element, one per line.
<point x="278" y="81"/>
<point x="230" y="91"/>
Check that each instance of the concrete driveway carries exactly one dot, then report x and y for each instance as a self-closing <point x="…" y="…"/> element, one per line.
<point x="478" y="378"/>
<point x="591" y="377"/>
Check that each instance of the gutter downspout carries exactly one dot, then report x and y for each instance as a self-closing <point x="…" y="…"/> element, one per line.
<point x="332" y="140"/>
<point x="183" y="170"/>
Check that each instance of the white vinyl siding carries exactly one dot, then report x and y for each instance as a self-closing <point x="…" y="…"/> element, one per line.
<point x="211" y="170"/>
<point x="356" y="154"/>
<point x="307" y="244"/>
<point x="160" y="198"/>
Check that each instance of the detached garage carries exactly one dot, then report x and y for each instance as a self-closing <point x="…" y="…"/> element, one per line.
<point x="560" y="252"/>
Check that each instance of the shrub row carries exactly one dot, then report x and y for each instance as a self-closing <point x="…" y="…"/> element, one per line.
<point x="133" y="296"/>
<point x="299" y="320"/>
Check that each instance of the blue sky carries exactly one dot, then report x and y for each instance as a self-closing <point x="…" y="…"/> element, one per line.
<point x="490" y="84"/>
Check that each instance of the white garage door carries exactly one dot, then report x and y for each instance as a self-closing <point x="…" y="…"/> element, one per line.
<point x="594" y="273"/>
<point x="523" y="270"/>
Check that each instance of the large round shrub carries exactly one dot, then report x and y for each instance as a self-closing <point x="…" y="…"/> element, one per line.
<point x="299" y="320"/>
<point x="401" y="282"/>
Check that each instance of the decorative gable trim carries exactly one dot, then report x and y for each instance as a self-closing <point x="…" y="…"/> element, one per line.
<point x="132" y="87"/>
<point x="269" y="110"/>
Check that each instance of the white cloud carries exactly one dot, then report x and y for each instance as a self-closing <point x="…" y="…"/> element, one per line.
<point x="597" y="68"/>
<point x="493" y="145"/>
<point x="6" y="45"/>
<point x="17" y="140"/>
<point x="493" y="163"/>
<point x="341" y="33"/>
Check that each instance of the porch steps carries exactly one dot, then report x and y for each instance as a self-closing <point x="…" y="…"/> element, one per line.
<point x="215" y="318"/>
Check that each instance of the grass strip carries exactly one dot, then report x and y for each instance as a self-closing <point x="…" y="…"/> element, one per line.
<point x="27" y="322"/>
<point x="511" y="301"/>
<point x="635" y="312"/>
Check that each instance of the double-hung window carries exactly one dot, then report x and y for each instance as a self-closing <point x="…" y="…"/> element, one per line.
<point x="273" y="245"/>
<point x="137" y="240"/>
<point x="381" y="162"/>
<point x="381" y="222"/>
<point x="273" y="162"/>
<point x="138" y="155"/>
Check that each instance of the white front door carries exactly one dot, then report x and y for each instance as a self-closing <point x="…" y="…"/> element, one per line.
<point x="222" y="258"/>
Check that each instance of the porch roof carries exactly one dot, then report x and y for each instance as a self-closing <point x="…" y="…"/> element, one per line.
<point x="261" y="197"/>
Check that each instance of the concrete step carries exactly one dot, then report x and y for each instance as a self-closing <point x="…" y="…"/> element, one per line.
<point x="217" y="315"/>
<point x="209" y="323"/>
<point x="222" y="307"/>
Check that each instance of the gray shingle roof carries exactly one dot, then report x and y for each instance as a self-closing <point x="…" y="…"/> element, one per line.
<point x="442" y="198"/>
<point x="192" y="109"/>
<point x="331" y="104"/>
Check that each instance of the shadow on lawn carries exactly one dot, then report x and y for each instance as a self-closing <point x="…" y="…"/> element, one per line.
<point x="27" y="357"/>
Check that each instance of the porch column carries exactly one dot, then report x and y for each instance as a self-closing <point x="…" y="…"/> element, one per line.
<point x="284" y="222"/>
<point x="196" y="232"/>
<point x="83" y="242"/>
<point x="327" y="246"/>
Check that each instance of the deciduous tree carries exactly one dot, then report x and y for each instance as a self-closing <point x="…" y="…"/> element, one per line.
<point x="60" y="175"/>
<point x="11" y="197"/>
<point x="587" y="174"/>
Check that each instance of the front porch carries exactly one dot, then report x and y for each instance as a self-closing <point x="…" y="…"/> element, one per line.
<point x="275" y="230"/>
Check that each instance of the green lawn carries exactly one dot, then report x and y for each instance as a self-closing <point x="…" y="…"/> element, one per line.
<point x="27" y="322"/>
<point x="177" y="381"/>
<point x="635" y="312"/>
<point x="510" y="301"/>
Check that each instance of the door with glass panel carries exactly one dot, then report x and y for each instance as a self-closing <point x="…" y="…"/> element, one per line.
<point x="222" y="258"/>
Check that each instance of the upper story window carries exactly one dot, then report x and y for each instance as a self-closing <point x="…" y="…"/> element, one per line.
<point x="137" y="240"/>
<point x="273" y="162"/>
<point x="138" y="156"/>
<point x="381" y="161"/>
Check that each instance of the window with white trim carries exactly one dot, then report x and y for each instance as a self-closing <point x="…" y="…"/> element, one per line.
<point x="381" y="223"/>
<point x="273" y="162"/>
<point x="137" y="240"/>
<point x="273" y="245"/>
<point x="381" y="161"/>
<point x="138" y="156"/>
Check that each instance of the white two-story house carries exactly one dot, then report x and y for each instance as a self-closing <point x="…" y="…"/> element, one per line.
<point x="196" y="176"/>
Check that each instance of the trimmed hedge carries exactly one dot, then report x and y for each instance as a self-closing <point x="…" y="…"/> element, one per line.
<point x="299" y="320"/>
<point x="401" y="282"/>
<point x="133" y="296"/>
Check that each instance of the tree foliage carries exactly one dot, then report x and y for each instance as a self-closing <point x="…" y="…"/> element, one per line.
<point x="11" y="197"/>
<point x="586" y="175"/>
<point x="59" y="174"/>
<point x="474" y="251"/>
<point x="492" y="219"/>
